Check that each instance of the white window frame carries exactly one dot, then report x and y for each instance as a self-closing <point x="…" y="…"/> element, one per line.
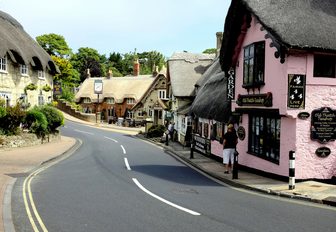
<point x="130" y="101"/>
<point x="130" y="114"/>
<point x="24" y="69"/>
<point x="110" y="100"/>
<point x="40" y="100"/>
<point x="162" y="94"/>
<point x="86" y="100"/>
<point x="3" y="64"/>
<point x="41" y="74"/>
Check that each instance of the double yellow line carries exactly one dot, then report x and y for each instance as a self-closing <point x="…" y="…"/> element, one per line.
<point x="32" y="212"/>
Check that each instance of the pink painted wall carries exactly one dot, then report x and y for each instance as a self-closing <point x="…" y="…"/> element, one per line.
<point x="295" y="133"/>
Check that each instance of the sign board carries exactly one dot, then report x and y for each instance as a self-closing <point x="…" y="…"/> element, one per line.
<point x="323" y="152"/>
<point x="231" y="85"/>
<point x="57" y="88"/>
<point x="255" y="100"/>
<point x="296" y="91"/>
<point x="202" y="145"/>
<point x="241" y="133"/>
<point x="98" y="86"/>
<point x="323" y="125"/>
<point x="303" y="115"/>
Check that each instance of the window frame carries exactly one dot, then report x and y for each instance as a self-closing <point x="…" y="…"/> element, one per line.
<point x="109" y="100"/>
<point x="320" y="61"/>
<point x="260" y="142"/>
<point x="24" y="70"/>
<point x="3" y="64"/>
<point x="40" y="74"/>
<point x="130" y="101"/>
<point x="86" y="100"/>
<point x="254" y="55"/>
<point x="162" y="94"/>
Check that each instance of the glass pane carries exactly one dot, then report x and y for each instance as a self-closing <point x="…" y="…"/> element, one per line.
<point x="250" y="81"/>
<point x="246" y="52"/>
<point x="246" y="71"/>
<point x="252" y="50"/>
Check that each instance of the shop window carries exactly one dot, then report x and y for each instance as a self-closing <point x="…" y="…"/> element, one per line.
<point x="206" y="130"/>
<point x="199" y="128"/>
<point x="324" y="66"/>
<point x="219" y="131"/>
<point x="254" y="65"/>
<point x="264" y="137"/>
<point x="3" y="64"/>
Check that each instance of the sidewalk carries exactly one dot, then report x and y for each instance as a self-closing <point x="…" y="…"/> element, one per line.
<point x="309" y="190"/>
<point x="18" y="162"/>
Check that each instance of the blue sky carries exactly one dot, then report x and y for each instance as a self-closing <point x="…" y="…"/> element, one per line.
<point x="123" y="25"/>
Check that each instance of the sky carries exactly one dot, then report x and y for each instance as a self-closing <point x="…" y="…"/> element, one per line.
<point x="124" y="25"/>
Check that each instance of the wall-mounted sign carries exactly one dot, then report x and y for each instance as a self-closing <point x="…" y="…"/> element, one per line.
<point x="323" y="125"/>
<point x="255" y="100"/>
<point x="296" y="91"/>
<point x="303" y="115"/>
<point x="98" y="86"/>
<point x="231" y="85"/>
<point x="57" y="88"/>
<point x="202" y="145"/>
<point x="241" y="133"/>
<point x="323" y="152"/>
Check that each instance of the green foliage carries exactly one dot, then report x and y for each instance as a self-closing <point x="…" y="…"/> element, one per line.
<point x="67" y="94"/>
<point x="68" y="75"/>
<point x="36" y="122"/>
<point x="2" y="102"/>
<point x="54" y="117"/>
<point x="10" y="119"/>
<point x="155" y="131"/>
<point x="210" y="51"/>
<point x="54" y="45"/>
<point x="31" y="87"/>
<point x="46" y="88"/>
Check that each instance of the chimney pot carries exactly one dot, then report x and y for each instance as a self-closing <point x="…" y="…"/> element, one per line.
<point x="88" y="74"/>
<point x="136" y="68"/>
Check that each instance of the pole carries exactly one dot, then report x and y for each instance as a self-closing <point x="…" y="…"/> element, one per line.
<point x="235" y="166"/>
<point x="291" y="170"/>
<point x="192" y="148"/>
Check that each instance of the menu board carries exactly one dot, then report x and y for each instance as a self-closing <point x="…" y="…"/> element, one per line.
<point x="296" y="91"/>
<point x="323" y="125"/>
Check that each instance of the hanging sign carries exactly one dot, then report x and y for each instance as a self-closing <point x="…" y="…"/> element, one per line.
<point x="255" y="100"/>
<point x="323" y="125"/>
<point x="296" y="91"/>
<point x="98" y="86"/>
<point x="231" y="85"/>
<point x="241" y="133"/>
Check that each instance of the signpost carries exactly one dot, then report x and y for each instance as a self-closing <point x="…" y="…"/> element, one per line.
<point x="98" y="89"/>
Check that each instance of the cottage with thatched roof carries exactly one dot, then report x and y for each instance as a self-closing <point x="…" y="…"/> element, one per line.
<point x="26" y="69"/>
<point x="279" y="60"/>
<point x="184" y="70"/>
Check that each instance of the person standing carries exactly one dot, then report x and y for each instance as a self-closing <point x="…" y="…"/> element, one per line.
<point x="229" y="147"/>
<point x="171" y="130"/>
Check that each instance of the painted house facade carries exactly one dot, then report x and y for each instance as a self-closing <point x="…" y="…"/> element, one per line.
<point x="282" y="57"/>
<point x="183" y="71"/>
<point x="26" y="70"/>
<point x="152" y="105"/>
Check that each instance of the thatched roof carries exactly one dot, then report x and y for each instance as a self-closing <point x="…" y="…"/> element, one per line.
<point x="211" y="100"/>
<point x="118" y="88"/>
<point x="184" y="70"/>
<point x="20" y="47"/>
<point x="298" y="24"/>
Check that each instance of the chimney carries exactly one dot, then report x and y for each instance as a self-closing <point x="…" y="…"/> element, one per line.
<point x="88" y="75"/>
<point x="109" y="74"/>
<point x="136" y="67"/>
<point x="219" y="37"/>
<point x="155" y="70"/>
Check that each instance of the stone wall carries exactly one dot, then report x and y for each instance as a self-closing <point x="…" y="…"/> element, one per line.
<point x="65" y="107"/>
<point x="24" y="140"/>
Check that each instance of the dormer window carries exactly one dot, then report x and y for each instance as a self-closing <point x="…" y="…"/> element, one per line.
<point x="86" y="100"/>
<point x="40" y="74"/>
<point x="254" y="65"/>
<point x="24" y="70"/>
<point x="110" y="100"/>
<point x="3" y="64"/>
<point x="162" y="94"/>
<point x="130" y="101"/>
<point x="324" y="66"/>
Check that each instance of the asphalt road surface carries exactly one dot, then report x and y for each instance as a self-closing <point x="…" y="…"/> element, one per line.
<point x="116" y="182"/>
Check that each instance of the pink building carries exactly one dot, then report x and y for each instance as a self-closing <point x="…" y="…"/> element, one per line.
<point x="279" y="60"/>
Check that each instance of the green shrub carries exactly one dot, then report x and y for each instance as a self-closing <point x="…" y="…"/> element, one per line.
<point x="155" y="131"/>
<point x="37" y="122"/>
<point x="11" y="118"/>
<point x="54" y="117"/>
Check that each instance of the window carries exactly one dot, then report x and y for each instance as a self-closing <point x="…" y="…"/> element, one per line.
<point x="254" y="65"/>
<point x="3" y="64"/>
<point x="206" y="130"/>
<point x="324" y="66"/>
<point x="110" y="100"/>
<point x="24" y="69"/>
<point x="40" y="74"/>
<point x="40" y="100"/>
<point x="130" y="114"/>
<point x="150" y="113"/>
<point x="219" y="131"/>
<point x="140" y="113"/>
<point x="130" y="101"/>
<point x="162" y="94"/>
<point x="86" y="100"/>
<point x="264" y="137"/>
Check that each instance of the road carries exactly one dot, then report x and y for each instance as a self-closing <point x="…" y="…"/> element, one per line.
<point x="116" y="182"/>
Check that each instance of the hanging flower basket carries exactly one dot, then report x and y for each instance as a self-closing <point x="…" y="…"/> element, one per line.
<point x="46" y="88"/>
<point x="31" y="87"/>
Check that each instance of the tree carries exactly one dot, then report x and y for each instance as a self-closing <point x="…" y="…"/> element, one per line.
<point x="210" y="51"/>
<point x="87" y="58"/>
<point x="68" y="76"/>
<point x="54" y="45"/>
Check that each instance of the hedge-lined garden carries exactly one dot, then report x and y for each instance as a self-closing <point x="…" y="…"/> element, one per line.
<point x="41" y="120"/>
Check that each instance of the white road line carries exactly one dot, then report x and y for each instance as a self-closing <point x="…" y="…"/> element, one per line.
<point x="163" y="200"/>
<point x="122" y="147"/>
<point x="111" y="139"/>
<point x="127" y="164"/>
<point x="85" y="132"/>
